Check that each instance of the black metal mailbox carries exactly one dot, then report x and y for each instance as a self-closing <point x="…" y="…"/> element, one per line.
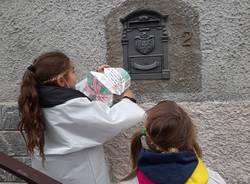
<point x="145" y="41"/>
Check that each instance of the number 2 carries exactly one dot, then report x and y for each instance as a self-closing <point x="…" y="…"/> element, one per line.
<point x="187" y="39"/>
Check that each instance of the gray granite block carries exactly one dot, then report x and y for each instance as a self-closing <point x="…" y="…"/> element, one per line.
<point x="12" y="143"/>
<point x="9" y="116"/>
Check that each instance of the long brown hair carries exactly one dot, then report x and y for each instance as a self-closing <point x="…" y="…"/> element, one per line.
<point x="32" y="123"/>
<point x="167" y="126"/>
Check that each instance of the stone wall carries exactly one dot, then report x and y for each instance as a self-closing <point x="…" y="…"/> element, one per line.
<point x="11" y="142"/>
<point x="223" y="131"/>
<point x="215" y="67"/>
<point x="211" y="78"/>
<point x="223" y="135"/>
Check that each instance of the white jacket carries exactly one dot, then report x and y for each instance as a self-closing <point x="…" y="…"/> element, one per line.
<point x="75" y="132"/>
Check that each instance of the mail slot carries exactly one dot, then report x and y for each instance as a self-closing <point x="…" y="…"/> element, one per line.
<point x="145" y="45"/>
<point x="142" y="64"/>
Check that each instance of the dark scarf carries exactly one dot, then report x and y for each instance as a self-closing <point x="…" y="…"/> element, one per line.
<point x="50" y="96"/>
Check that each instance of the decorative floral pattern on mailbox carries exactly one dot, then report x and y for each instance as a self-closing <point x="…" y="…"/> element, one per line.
<point x="145" y="45"/>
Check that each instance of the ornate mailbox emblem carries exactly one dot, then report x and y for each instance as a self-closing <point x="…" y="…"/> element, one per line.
<point x="144" y="43"/>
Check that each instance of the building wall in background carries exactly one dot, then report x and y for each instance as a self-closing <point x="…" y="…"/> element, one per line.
<point x="210" y="79"/>
<point x="215" y="67"/>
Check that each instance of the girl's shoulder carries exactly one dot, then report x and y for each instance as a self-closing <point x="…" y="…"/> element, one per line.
<point x="214" y="177"/>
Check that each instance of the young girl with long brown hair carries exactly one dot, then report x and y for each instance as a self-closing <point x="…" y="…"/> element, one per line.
<point x="166" y="151"/>
<point x="63" y="129"/>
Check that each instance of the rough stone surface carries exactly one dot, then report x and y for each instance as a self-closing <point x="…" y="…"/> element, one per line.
<point x="222" y="39"/>
<point x="184" y="61"/>
<point x="9" y="116"/>
<point x="12" y="143"/>
<point x="215" y="68"/>
<point x="218" y="62"/>
<point x="224" y="134"/>
<point x="29" y="28"/>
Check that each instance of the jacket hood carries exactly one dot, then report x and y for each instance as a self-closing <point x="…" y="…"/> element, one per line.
<point x="169" y="168"/>
<point x="50" y="96"/>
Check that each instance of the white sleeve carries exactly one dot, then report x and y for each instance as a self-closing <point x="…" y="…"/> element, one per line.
<point x="80" y="123"/>
<point x="214" y="177"/>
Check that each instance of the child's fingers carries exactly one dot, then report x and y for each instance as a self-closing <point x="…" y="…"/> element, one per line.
<point x="101" y="67"/>
<point x="128" y="93"/>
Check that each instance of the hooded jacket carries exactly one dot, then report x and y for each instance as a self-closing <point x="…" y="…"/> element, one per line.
<point x="76" y="128"/>
<point x="172" y="168"/>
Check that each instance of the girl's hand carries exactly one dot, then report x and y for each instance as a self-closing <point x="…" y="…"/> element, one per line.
<point x="128" y="93"/>
<point x="101" y="67"/>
